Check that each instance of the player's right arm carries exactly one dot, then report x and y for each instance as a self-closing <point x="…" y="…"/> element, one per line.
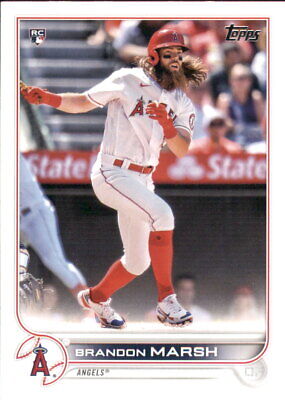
<point x="99" y="95"/>
<point x="75" y="103"/>
<point x="68" y="102"/>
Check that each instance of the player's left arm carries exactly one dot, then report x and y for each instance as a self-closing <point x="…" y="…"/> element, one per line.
<point x="177" y="135"/>
<point x="179" y="144"/>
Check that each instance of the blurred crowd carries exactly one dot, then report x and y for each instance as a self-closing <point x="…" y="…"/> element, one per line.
<point x="231" y="104"/>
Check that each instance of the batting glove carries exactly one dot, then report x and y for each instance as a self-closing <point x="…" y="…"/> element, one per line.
<point x="35" y="95"/>
<point x="158" y="112"/>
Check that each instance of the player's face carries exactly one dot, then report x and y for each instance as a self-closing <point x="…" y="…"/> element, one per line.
<point x="171" y="58"/>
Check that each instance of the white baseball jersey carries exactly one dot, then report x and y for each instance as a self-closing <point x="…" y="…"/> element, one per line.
<point x="129" y="132"/>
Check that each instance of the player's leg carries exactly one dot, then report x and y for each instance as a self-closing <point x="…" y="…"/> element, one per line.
<point x="126" y="195"/>
<point x="169" y="311"/>
<point x="161" y="253"/>
<point x="40" y="229"/>
<point x="132" y="197"/>
<point x="135" y="261"/>
<point x="130" y="265"/>
<point x="134" y="233"/>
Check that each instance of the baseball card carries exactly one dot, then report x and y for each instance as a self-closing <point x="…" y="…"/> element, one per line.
<point x="136" y="197"/>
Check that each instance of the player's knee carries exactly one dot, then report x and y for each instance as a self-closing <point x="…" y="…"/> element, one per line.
<point x="136" y="267"/>
<point x="143" y="266"/>
<point x="165" y="220"/>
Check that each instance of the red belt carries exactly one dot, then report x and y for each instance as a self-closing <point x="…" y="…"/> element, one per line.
<point x="134" y="167"/>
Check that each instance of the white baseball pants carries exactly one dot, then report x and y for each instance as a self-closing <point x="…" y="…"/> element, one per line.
<point x="140" y="211"/>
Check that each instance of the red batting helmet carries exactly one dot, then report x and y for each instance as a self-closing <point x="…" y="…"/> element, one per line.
<point x="164" y="38"/>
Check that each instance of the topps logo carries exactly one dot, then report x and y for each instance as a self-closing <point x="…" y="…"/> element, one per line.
<point x="239" y="32"/>
<point x="37" y="36"/>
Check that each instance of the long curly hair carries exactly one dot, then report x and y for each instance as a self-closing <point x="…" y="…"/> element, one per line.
<point x="193" y="72"/>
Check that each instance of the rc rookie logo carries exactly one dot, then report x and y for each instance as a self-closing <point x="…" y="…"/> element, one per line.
<point x="37" y="36"/>
<point x="50" y="361"/>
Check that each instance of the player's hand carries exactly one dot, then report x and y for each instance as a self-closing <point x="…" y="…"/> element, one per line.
<point x="158" y="112"/>
<point x="36" y="95"/>
<point x="33" y="95"/>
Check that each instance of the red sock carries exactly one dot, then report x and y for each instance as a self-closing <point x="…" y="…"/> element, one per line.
<point x="116" y="278"/>
<point x="161" y="254"/>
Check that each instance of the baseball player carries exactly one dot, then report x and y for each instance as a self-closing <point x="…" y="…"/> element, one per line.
<point x="39" y="227"/>
<point x="147" y="108"/>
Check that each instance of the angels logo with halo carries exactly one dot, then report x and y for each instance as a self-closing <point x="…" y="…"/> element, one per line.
<point x="45" y="357"/>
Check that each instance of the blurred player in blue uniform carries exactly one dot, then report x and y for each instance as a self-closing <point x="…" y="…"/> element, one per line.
<point x="39" y="228"/>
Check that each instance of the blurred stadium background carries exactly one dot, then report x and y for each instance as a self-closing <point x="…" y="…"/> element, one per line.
<point x="220" y="232"/>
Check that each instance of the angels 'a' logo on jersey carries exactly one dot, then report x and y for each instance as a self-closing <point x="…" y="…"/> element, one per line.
<point x="139" y="109"/>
